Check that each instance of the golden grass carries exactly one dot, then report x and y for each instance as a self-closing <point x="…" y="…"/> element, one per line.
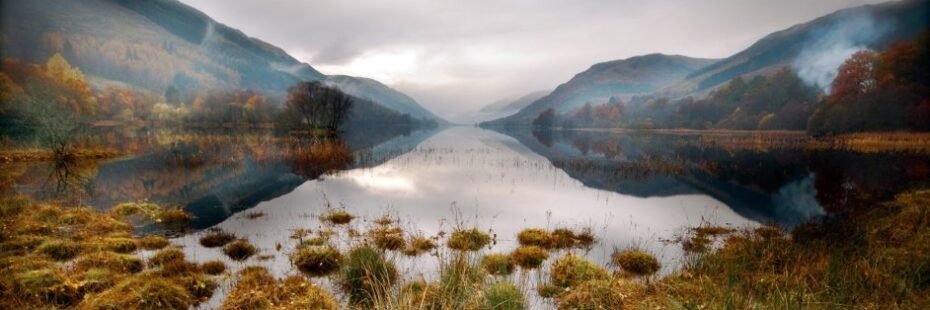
<point x="257" y="289"/>
<point x="468" y="240"/>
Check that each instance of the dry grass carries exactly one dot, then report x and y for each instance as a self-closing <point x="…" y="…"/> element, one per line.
<point x="468" y="240"/>
<point x="239" y="250"/>
<point x="257" y="289"/>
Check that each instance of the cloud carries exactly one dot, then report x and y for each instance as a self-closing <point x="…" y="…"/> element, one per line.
<point x="456" y="56"/>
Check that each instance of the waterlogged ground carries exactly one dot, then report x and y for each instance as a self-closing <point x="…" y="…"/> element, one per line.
<point x="468" y="177"/>
<point x="641" y="190"/>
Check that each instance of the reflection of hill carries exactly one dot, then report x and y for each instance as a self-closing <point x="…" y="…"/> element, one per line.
<point x="649" y="166"/>
<point x="214" y="179"/>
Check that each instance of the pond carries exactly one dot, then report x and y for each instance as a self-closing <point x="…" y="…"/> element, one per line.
<point x="630" y="190"/>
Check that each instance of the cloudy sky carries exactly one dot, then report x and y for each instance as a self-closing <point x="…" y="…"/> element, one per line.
<point x="456" y="56"/>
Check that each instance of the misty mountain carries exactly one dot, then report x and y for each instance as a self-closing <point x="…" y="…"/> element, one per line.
<point x="623" y="78"/>
<point x="151" y="45"/>
<point x="513" y="105"/>
<point x="814" y="49"/>
<point x="374" y="91"/>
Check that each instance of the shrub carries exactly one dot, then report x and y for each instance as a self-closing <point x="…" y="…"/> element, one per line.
<point x="153" y="242"/>
<point x="316" y="261"/>
<point x="338" y="217"/>
<point x="529" y="257"/>
<point x="59" y="250"/>
<point x="468" y="240"/>
<point x="213" y="267"/>
<point x="636" y="262"/>
<point x="503" y="296"/>
<point x="571" y="270"/>
<point x="498" y="264"/>
<point x="216" y="238"/>
<point x="365" y="275"/>
<point x="533" y="236"/>
<point x="239" y="250"/>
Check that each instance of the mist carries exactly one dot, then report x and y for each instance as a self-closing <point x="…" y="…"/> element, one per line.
<point x="828" y="47"/>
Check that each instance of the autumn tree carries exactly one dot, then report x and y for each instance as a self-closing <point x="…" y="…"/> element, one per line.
<point x="319" y="105"/>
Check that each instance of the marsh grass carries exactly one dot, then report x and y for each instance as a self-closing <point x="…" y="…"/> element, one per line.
<point x="239" y="250"/>
<point x="256" y="289"/>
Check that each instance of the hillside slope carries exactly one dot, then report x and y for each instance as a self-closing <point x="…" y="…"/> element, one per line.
<point x="154" y="45"/>
<point x="816" y="47"/>
<point x="619" y="78"/>
<point x="513" y="105"/>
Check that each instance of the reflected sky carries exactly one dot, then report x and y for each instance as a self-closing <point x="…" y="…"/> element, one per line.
<point x="470" y="177"/>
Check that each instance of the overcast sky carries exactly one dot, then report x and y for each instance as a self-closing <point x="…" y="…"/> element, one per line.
<point x="454" y="57"/>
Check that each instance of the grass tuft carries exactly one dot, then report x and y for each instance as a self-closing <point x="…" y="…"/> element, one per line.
<point x="636" y="262"/>
<point x="529" y="257"/>
<point x="239" y="250"/>
<point x="468" y="240"/>
<point x="498" y="264"/>
<point x="316" y="261"/>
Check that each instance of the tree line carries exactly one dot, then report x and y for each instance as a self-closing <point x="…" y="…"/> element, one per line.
<point x="873" y="91"/>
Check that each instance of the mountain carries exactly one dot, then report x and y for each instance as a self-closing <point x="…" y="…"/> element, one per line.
<point x="373" y="90"/>
<point x="638" y="75"/>
<point x="157" y="44"/>
<point x="513" y="105"/>
<point x="817" y="47"/>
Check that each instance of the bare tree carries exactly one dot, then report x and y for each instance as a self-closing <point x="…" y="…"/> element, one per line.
<point x="319" y="105"/>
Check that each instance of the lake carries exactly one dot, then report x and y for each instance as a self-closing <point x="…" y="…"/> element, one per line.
<point x="640" y="190"/>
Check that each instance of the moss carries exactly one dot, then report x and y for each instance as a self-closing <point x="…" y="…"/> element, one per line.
<point x="316" y="261"/>
<point x="121" y="263"/>
<point x="153" y="242"/>
<point x="571" y="270"/>
<point x="533" y="236"/>
<point x="468" y="240"/>
<point x="239" y="250"/>
<point x="419" y="245"/>
<point x="503" y="295"/>
<point x="366" y="275"/>
<point x="216" y="238"/>
<point x="497" y="264"/>
<point x="529" y="257"/>
<point x="120" y="245"/>
<point x="166" y="256"/>
<point x="60" y="250"/>
<point x="598" y="294"/>
<point x="338" y="217"/>
<point x="561" y="238"/>
<point x="213" y="267"/>
<point x="636" y="262"/>
<point x="142" y="291"/>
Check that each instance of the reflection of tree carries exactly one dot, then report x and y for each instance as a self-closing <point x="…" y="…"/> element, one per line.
<point x="310" y="159"/>
<point x="72" y="177"/>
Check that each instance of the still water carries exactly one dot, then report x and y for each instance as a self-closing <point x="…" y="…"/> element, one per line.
<point x="630" y="190"/>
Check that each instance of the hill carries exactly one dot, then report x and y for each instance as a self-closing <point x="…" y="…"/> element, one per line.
<point x="624" y="78"/>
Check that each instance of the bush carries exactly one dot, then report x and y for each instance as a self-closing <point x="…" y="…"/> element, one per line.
<point x="366" y="275"/>
<point x="571" y="270"/>
<point x="213" y="267"/>
<point x="316" y="261"/>
<point x="503" y="296"/>
<point x="498" y="264"/>
<point x="468" y="240"/>
<point x="529" y="257"/>
<point x="216" y="238"/>
<point x="636" y="262"/>
<point x="239" y="250"/>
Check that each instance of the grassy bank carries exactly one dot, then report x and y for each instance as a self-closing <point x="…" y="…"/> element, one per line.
<point x="30" y="155"/>
<point x="874" y="257"/>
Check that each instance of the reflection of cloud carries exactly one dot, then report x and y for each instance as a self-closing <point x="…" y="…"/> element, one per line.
<point x="381" y="180"/>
